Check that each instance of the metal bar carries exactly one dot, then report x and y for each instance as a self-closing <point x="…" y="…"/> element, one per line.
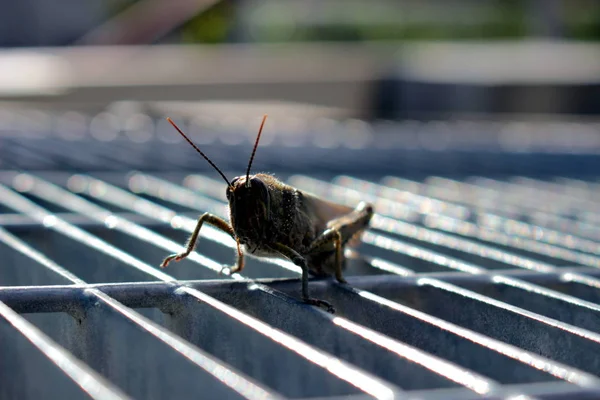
<point x="181" y="194"/>
<point x="470" y="230"/>
<point x="74" y="307"/>
<point x="440" y="239"/>
<point x="551" y="367"/>
<point x="52" y="193"/>
<point x="139" y="182"/>
<point x="167" y="192"/>
<point x="115" y="195"/>
<point x="156" y="294"/>
<point x="348" y="195"/>
<point x="20" y="221"/>
<point x="89" y="382"/>
<point x="449" y="241"/>
<point x="513" y="282"/>
<point x="491" y="199"/>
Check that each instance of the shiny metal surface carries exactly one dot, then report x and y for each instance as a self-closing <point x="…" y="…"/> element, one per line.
<point x="464" y="287"/>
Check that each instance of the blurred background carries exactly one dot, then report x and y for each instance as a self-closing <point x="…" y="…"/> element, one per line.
<point x="378" y="59"/>
<point x="513" y="75"/>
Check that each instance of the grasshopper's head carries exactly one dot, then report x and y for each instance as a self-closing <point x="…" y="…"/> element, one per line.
<point x="244" y="188"/>
<point x="248" y="196"/>
<point x="249" y="203"/>
<point x="249" y="200"/>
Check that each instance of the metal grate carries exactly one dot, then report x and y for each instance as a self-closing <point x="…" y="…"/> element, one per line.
<point x="464" y="288"/>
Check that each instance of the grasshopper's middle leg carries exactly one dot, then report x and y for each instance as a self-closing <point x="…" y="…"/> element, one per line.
<point x="191" y="243"/>
<point x="300" y="261"/>
<point x="340" y="231"/>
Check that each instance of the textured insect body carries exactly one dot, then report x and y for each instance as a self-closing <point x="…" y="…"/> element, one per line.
<point x="271" y="219"/>
<point x="250" y="212"/>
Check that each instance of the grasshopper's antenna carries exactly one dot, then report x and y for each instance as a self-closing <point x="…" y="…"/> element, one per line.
<point x="198" y="150"/>
<point x="254" y="150"/>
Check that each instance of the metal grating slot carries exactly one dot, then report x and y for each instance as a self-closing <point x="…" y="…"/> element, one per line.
<point x="33" y="355"/>
<point x="343" y="379"/>
<point x="460" y="289"/>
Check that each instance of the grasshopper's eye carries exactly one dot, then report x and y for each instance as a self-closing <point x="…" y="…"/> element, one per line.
<point x="260" y="189"/>
<point x="257" y="183"/>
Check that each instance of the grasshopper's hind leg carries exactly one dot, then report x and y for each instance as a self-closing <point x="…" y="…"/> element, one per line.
<point x="191" y="243"/>
<point x="324" y="241"/>
<point x="339" y="232"/>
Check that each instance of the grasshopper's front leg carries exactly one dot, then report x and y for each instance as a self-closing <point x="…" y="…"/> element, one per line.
<point x="339" y="232"/>
<point x="191" y="244"/>
<point x="300" y="261"/>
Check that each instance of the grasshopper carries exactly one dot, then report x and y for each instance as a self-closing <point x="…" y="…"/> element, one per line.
<point x="268" y="218"/>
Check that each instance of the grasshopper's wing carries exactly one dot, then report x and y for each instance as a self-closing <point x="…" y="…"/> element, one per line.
<point x="324" y="210"/>
<point x="329" y="214"/>
<point x="334" y="215"/>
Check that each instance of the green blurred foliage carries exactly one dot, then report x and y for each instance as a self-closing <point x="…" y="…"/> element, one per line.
<point x="390" y="21"/>
<point x="211" y="26"/>
<point x="297" y="20"/>
<point x="582" y="19"/>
